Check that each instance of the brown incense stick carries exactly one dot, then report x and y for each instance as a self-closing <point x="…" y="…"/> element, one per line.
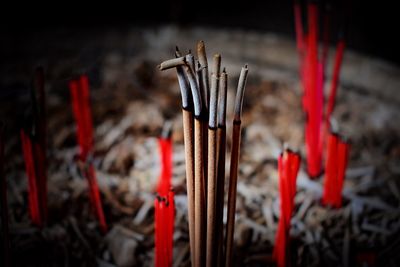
<point x="212" y="167"/>
<point x="221" y="153"/>
<point x="199" y="196"/>
<point x="234" y="166"/>
<point x="205" y="94"/>
<point x="187" y="114"/>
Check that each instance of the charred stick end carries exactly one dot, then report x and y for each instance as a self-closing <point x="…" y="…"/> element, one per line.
<point x="187" y="102"/>
<point x="217" y="64"/>
<point x="222" y="98"/>
<point x="240" y="93"/>
<point x="201" y="53"/>
<point x="172" y="63"/>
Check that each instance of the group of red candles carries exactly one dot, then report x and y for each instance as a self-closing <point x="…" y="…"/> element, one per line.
<point x="33" y="139"/>
<point x="318" y="135"/>
<point x="164" y="208"/>
<point x="312" y="71"/>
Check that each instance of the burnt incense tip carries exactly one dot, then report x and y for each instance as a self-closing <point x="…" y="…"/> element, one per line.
<point x="224" y="70"/>
<point x="240" y="93"/>
<point x="217" y="64"/>
<point x="172" y="63"/>
<point x="176" y="48"/>
<point x="213" y="101"/>
<point x="201" y="53"/>
<point x="194" y="87"/>
<point x="222" y="98"/>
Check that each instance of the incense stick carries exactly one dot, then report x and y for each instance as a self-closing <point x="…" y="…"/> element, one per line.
<point x="199" y="197"/>
<point x="221" y="154"/>
<point x="187" y="116"/>
<point x="212" y="167"/>
<point x="234" y="165"/>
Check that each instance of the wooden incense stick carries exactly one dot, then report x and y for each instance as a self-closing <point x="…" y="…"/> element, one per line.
<point x="187" y="115"/>
<point x="221" y="154"/>
<point x="212" y="166"/>
<point x="234" y="166"/>
<point x="204" y="85"/>
<point x="199" y="197"/>
<point x="4" y="205"/>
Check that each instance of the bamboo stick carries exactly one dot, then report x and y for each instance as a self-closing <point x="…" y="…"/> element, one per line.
<point x="199" y="197"/>
<point x="221" y="154"/>
<point x="212" y="167"/>
<point x="234" y="165"/>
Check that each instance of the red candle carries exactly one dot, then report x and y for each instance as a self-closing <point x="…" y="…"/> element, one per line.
<point x="288" y="166"/>
<point x="81" y="108"/>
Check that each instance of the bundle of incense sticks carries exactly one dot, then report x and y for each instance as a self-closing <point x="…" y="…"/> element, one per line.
<point x="4" y="206"/>
<point x="288" y="166"/>
<point x="312" y="74"/>
<point x="335" y="170"/>
<point x="79" y="90"/>
<point x="204" y="127"/>
<point x="164" y="205"/>
<point x="33" y="139"/>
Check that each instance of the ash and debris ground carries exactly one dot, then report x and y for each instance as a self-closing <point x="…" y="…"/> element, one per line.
<point x="131" y="100"/>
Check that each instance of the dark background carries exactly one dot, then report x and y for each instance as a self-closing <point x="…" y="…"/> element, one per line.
<point x="372" y="25"/>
